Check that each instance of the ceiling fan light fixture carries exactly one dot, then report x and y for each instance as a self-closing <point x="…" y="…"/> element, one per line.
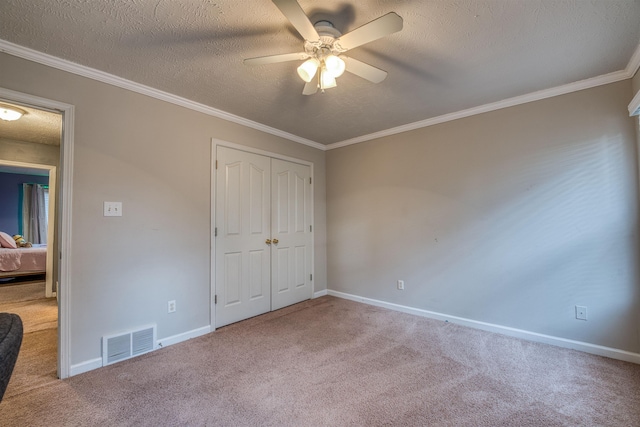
<point x="335" y="65"/>
<point x="10" y="114"/>
<point x="324" y="45"/>
<point x="327" y="81"/>
<point x="308" y="69"/>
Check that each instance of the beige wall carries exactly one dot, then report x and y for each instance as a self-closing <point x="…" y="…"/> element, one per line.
<point x="511" y="217"/>
<point x="635" y="83"/>
<point x="155" y="158"/>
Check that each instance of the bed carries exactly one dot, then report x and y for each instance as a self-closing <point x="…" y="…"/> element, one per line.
<point x="23" y="261"/>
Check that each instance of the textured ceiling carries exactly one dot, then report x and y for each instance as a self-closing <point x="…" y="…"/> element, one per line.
<point x="37" y="126"/>
<point x="450" y="56"/>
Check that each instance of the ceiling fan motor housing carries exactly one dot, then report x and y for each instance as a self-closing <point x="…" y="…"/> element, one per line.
<point x="326" y="45"/>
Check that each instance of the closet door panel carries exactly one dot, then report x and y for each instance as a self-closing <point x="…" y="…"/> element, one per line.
<point x="291" y="204"/>
<point x="242" y="271"/>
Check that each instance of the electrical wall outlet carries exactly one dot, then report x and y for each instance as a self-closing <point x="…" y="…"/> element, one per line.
<point x="581" y="312"/>
<point x="401" y="285"/>
<point x="172" y="306"/>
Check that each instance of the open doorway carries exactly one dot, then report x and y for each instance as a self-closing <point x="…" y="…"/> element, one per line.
<point x="28" y="214"/>
<point x="30" y="150"/>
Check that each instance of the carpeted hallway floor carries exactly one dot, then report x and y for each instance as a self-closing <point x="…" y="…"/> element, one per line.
<point x="37" y="361"/>
<point x="332" y="362"/>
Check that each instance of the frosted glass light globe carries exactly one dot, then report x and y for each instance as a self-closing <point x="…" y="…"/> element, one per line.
<point x="308" y="69"/>
<point x="335" y="65"/>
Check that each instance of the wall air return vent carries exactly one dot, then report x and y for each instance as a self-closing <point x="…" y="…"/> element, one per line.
<point x="127" y="345"/>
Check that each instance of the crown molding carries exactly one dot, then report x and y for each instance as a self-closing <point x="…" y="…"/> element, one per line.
<point x="634" y="105"/>
<point x="634" y="63"/>
<point x="632" y="69"/>
<point x="510" y="102"/>
<point x="81" y="70"/>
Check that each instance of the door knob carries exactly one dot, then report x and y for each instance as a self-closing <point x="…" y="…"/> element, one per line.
<point x="268" y="241"/>
<point x="275" y="241"/>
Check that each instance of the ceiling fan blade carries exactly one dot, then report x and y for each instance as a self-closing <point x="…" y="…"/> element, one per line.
<point x="310" y="88"/>
<point x="366" y="71"/>
<point x="272" y="59"/>
<point x="378" y="28"/>
<point x="294" y="13"/>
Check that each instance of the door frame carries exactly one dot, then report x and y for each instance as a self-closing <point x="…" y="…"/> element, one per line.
<point x="63" y="219"/>
<point x="215" y="143"/>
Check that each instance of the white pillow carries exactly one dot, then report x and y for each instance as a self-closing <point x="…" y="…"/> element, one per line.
<point x="7" y="241"/>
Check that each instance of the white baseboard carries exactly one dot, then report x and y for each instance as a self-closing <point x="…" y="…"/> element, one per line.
<point x="175" y="339"/>
<point x="504" y="330"/>
<point x="320" y="293"/>
<point x="90" y="365"/>
<point x="86" y="366"/>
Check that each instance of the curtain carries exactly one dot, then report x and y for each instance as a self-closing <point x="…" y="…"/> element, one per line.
<point x="34" y="213"/>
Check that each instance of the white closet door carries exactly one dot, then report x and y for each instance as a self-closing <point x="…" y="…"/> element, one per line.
<point x="290" y="228"/>
<point x="243" y="204"/>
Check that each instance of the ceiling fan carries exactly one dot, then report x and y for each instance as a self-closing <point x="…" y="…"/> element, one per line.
<point x="324" y="48"/>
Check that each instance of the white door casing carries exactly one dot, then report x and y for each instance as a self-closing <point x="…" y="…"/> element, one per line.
<point x="64" y="218"/>
<point x="264" y="242"/>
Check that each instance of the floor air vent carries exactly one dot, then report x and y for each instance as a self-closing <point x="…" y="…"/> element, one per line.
<point x="127" y="345"/>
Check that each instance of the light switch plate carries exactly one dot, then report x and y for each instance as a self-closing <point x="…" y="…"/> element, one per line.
<point x="112" y="208"/>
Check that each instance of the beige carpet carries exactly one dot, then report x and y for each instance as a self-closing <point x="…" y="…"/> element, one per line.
<point x="332" y="362"/>
<point x="21" y="292"/>
<point x="37" y="361"/>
